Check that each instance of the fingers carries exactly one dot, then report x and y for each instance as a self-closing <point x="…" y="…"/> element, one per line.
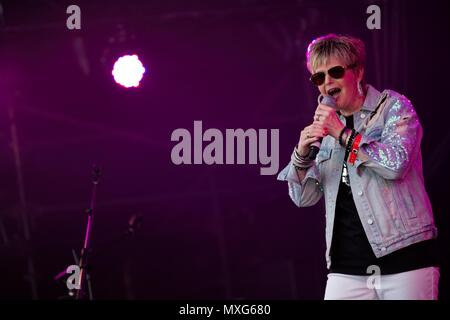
<point x="320" y="116"/>
<point x="318" y="132"/>
<point x="325" y="108"/>
<point x="317" y="126"/>
<point x="323" y="112"/>
<point x="309" y="135"/>
<point x="314" y="131"/>
<point x="314" y="125"/>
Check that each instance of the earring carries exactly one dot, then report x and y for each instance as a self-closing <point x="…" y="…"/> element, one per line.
<point x="360" y="89"/>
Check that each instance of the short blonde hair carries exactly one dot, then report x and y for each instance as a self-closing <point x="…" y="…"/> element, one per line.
<point x="349" y="50"/>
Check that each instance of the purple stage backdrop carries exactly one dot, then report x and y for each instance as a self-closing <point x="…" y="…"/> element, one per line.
<point x="209" y="231"/>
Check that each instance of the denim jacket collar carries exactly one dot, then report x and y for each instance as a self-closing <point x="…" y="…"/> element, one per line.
<point x="370" y="102"/>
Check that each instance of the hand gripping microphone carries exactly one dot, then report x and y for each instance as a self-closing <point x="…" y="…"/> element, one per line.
<point x="315" y="146"/>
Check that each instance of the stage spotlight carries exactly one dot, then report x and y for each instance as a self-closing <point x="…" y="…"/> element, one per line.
<point x="128" y="71"/>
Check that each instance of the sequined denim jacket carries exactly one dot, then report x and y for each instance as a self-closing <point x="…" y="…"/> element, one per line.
<point x="386" y="180"/>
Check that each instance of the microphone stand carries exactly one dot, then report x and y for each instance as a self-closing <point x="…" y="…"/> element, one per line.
<point x="84" y="269"/>
<point x="134" y="223"/>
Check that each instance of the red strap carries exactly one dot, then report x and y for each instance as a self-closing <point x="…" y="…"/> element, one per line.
<point x="354" y="150"/>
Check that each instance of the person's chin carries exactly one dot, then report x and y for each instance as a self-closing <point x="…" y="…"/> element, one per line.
<point x="341" y="101"/>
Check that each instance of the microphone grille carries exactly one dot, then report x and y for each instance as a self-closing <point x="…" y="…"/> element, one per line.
<point x="327" y="100"/>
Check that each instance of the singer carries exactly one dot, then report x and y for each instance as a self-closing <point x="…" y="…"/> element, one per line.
<point x="380" y="230"/>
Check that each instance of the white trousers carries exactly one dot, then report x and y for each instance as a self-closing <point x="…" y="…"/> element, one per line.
<point x="421" y="284"/>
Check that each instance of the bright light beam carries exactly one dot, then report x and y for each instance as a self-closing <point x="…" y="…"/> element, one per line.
<point x="128" y="71"/>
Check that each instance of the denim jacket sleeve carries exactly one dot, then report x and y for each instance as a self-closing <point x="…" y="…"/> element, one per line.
<point x="391" y="155"/>
<point x="303" y="193"/>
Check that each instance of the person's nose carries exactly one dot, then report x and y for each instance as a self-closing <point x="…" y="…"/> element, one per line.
<point x="328" y="80"/>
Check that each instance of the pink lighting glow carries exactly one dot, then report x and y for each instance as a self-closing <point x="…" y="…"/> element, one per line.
<point x="128" y="71"/>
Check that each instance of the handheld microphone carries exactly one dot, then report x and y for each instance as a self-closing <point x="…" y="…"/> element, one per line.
<point x="315" y="146"/>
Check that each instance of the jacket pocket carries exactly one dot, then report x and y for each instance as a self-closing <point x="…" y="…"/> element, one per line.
<point x="405" y="201"/>
<point x="390" y="213"/>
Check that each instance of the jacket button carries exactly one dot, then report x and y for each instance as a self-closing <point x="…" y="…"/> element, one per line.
<point x="360" y="193"/>
<point x="363" y="115"/>
<point x="383" y="249"/>
<point x="370" y="221"/>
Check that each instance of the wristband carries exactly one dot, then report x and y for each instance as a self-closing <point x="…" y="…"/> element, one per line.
<point x="354" y="149"/>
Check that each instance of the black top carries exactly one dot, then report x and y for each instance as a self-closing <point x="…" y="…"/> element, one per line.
<point x="351" y="252"/>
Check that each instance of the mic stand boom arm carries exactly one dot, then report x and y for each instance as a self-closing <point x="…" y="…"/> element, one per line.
<point x="84" y="272"/>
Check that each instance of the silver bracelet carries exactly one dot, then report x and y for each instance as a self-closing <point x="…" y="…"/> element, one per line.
<point x="299" y="161"/>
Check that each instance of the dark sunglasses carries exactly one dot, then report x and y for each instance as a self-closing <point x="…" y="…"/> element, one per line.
<point x="336" y="72"/>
